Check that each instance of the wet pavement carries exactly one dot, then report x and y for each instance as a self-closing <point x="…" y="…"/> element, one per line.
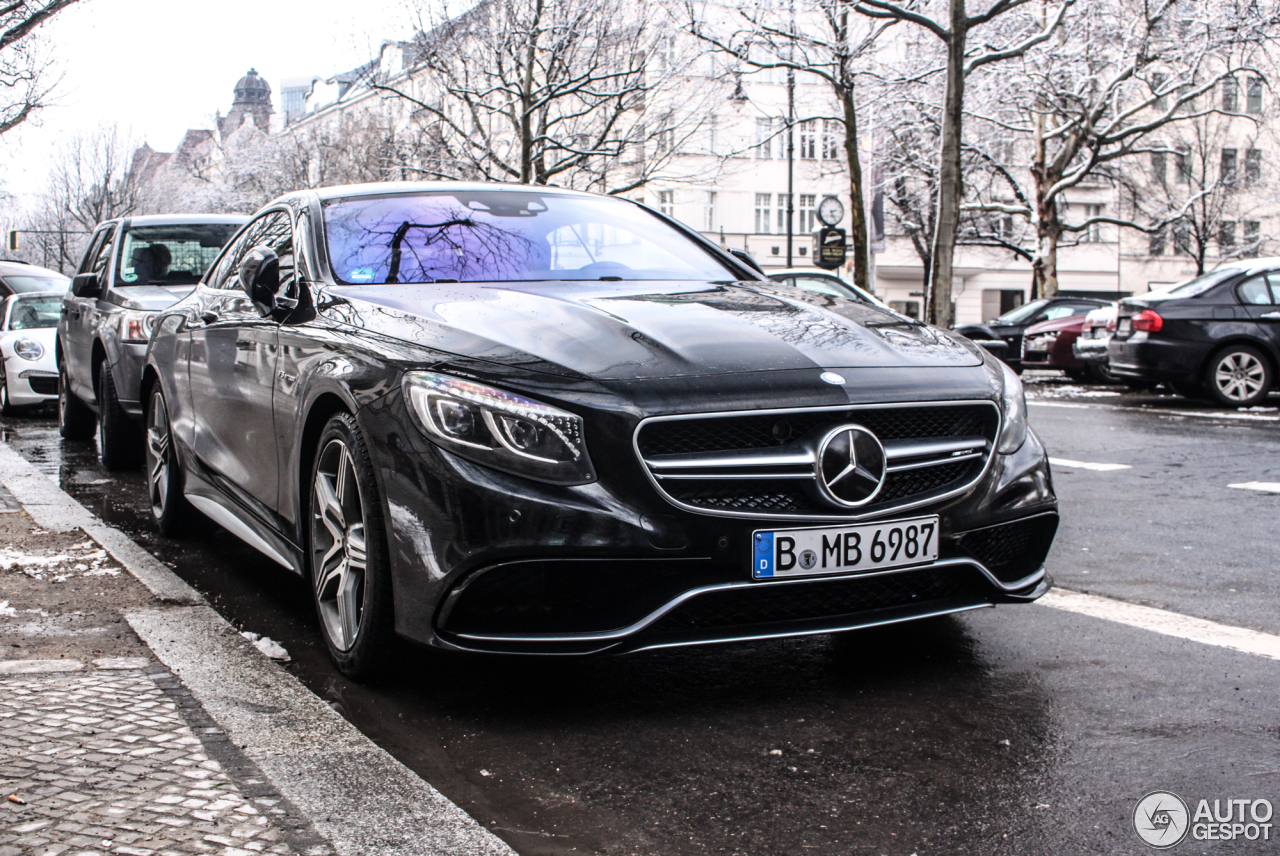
<point x="1023" y="729"/>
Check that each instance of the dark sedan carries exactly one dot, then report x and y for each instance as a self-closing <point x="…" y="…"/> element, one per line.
<point x="506" y="419"/>
<point x="1011" y="326"/>
<point x="1216" y="336"/>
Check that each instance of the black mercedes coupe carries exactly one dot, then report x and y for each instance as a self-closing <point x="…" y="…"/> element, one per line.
<point x="528" y="420"/>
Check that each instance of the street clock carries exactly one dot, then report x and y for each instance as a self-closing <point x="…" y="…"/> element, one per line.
<point x="830" y="210"/>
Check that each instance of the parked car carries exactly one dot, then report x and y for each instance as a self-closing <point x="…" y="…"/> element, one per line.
<point x="1010" y="326"/>
<point x="824" y="282"/>
<point x="522" y="419"/>
<point x="17" y="277"/>
<point x="1090" y="347"/>
<point x="28" y="370"/>
<point x="1048" y="345"/>
<point x="133" y="267"/>
<point x="1217" y="335"/>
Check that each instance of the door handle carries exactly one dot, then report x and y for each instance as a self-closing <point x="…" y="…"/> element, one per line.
<point x="1271" y="316"/>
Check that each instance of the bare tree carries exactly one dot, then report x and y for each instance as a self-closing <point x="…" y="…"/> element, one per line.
<point x="92" y="179"/>
<point x="951" y="23"/>
<point x="25" y="83"/>
<point x="1086" y="106"/>
<point x="820" y="43"/>
<point x="576" y="92"/>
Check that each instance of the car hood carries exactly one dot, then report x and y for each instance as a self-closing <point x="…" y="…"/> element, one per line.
<point x="148" y="297"/>
<point x="1071" y="322"/>
<point x="648" y="329"/>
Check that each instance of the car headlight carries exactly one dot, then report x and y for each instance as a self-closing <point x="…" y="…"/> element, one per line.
<point x="500" y="429"/>
<point x="1013" y="402"/>
<point x="135" y="327"/>
<point x="28" y="349"/>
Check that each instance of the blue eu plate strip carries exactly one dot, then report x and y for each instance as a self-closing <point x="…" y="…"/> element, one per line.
<point x="763" y="560"/>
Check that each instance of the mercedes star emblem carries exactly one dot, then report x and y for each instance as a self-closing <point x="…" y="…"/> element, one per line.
<point x="850" y="466"/>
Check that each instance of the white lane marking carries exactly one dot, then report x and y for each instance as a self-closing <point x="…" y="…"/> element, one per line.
<point x="1165" y="622"/>
<point x="1085" y="465"/>
<point x="1264" y="487"/>
<point x="1202" y="414"/>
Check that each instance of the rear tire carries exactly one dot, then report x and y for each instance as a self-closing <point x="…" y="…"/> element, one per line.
<point x="119" y="439"/>
<point x="347" y="553"/>
<point x="1238" y="376"/>
<point x="169" y="507"/>
<point x="75" y="420"/>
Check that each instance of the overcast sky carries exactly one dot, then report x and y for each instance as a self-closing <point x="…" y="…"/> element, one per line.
<point x="158" y="67"/>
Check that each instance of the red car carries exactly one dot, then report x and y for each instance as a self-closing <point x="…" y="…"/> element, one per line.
<point x="1047" y="345"/>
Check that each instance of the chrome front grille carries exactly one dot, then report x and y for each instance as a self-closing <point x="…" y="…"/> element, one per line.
<point x="762" y="463"/>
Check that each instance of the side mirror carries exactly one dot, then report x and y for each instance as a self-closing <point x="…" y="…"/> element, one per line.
<point x="745" y="257"/>
<point x="86" y="285"/>
<point x="260" y="278"/>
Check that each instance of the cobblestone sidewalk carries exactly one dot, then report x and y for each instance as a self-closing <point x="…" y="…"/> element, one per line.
<point x="106" y="762"/>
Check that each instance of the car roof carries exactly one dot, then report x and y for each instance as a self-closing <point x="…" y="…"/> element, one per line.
<point x="397" y="187"/>
<point x="29" y="270"/>
<point x="1251" y="265"/>
<point x="182" y="219"/>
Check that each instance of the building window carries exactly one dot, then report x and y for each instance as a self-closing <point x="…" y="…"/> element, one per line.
<point x="1252" y="166"/>
<point x="809" y="140"/>
<point x="832" y="139"/>
<point x="1253" y="95"/>
<point x="665" y="142"/>
<point x="1155" y="243"/>
<point x="1226" y="237"/>
<point x="1228" y="170"/>
<point x="1230" y="94"/>
<point x="711" y="210"/>
<point x="1159" y="171"/>
<point x="763" y="201"/>
<point x="667" y="202"/>
<point x="667" y="52"/>
<point x="1252" y="238"/>
<point x="1093" y="234"/>
<point x="784" y="202"/>
<point x="764" y="138"/>
<point x="1157" y="83"/>
<point x="808" y="213"/>
<point x="1183" y="170"/>
<point x="1182" y="239"/>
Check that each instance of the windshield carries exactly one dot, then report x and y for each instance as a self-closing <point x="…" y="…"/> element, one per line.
<point x="24" y="282"/>
<point x="1192" y="287"/>
<point x="1022" y="313"/>
<point x="30" y="313"/>
<point x="163" y="255"/>
<point x="506" y="236"/>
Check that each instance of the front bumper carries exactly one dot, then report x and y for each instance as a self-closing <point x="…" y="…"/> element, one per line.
<point x="1090" y="351"/>
<point x="484" y="561"/>
<point x="127" y="374"/>
<point x="31" y="382"/>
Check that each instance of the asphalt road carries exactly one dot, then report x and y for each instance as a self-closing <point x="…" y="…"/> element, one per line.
<point x="1019" y="730"/>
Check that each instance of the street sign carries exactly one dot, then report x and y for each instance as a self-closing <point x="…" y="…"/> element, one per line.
<point x="829" y="247"/>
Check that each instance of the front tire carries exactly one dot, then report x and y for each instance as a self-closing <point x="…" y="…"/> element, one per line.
<point x="350" y="576"/>
<point x="118" y="439"/>
<point x="75" y="420"/>
<point x="6" y="408"/>
<point x="1238" y="376"/>
<point x="169" y="507"/>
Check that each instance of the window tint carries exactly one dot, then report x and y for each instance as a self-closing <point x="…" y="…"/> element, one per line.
<point x="506" y="236"/>
<point x="1255" y="291"/>
<point x="157" y="255"/>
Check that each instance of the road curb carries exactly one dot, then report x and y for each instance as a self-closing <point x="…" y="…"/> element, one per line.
<point x="355" y="795"/>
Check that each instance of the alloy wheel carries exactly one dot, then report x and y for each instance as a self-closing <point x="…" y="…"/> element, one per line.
<point x="158" y="454"/>
<point x="338" y="547"/>
<point x="1240" y="376"/>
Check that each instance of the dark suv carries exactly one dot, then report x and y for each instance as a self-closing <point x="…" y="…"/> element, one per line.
<point x="133" y="268"/>
<point x="1216" y="336"/>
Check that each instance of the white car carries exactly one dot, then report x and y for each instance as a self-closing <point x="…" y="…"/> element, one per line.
<point x="28" y="366"/>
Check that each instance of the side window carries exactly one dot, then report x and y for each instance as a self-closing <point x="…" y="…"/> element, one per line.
<point x="1255" y="291"/>
<point x="1062" y="310"/>
<point x="273" y="229"/>
<point x="86" y="264"/>
<point x="95" y="261"/>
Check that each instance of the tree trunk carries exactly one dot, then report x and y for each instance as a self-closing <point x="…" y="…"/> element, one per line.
<point x="1044" y="269"/>
<point x="858" y="232"/>
<point x="526" y="99"/>
<point x="950" y="179"/>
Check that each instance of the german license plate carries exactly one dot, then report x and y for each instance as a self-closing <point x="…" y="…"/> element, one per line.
<point x="1125" y="324"/>
<point x="843" y="550"/>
